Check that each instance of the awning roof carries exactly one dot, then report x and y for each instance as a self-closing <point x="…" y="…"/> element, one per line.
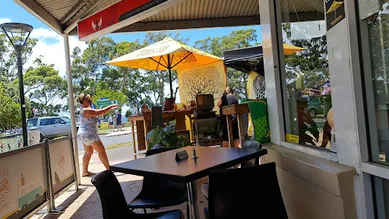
<point x="245" y="59"/>
<point x="62" y="15"/>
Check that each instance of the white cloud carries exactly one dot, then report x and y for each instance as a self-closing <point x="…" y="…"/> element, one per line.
<point x="4" y="20"/>
<point x="51" y="46"/>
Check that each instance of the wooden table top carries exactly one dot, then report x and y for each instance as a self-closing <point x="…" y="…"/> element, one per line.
<point x="165" y="114"/>
<point x="164" y="164"/>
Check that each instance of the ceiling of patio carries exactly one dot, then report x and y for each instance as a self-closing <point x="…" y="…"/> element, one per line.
<point x="62" y="15"/>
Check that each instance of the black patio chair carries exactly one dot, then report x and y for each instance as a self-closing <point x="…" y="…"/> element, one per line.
<point x="251" y="144"/>
<point x="158" y="193"/>
<point x="114" y="203"/>
<point x="247" y="144"/>
<point x="244" y="192"/>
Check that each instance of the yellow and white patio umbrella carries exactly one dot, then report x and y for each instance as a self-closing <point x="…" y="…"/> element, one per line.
<point x="167" y="54"/>
<point x="289" y="49"/>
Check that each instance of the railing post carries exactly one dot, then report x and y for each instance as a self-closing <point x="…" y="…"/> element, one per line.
<point x="51" y="205"/>
<point x="74" y="163"/>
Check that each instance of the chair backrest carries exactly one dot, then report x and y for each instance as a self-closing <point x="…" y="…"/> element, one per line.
<point x="156" y="116"/>
<point x="243" y="192"/>
<point x="157" y="151"/>
<point x="111" y="195"/>
<point x="251" y="144"/>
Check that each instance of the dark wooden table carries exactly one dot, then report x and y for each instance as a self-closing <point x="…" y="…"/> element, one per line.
<point x="163" y="165"/>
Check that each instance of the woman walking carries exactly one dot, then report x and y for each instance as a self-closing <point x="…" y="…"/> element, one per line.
<point x="88" y="132"/>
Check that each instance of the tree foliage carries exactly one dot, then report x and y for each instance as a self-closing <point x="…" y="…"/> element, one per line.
<point x="10" y="113"/>
<point x="235" y="40"/>
<point x="312" y="62"/>
<point x="46" y="89"/>
<point x="10" y="116"/>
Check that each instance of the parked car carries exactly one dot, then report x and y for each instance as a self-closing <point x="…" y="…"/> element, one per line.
<point x="51" y="126"/>
<point x="319" y="105"/>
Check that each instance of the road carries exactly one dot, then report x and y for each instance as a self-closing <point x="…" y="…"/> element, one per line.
<point x="110" y="140"/>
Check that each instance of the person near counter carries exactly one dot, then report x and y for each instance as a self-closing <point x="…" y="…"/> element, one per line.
<point x="228" y="98"/>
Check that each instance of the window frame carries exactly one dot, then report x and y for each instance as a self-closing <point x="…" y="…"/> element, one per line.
<point x="280" y="89"/>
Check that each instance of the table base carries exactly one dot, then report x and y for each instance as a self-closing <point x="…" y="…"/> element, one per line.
<point x="192" y="200"/>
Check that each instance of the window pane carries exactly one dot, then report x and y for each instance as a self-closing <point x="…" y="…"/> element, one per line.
<point x="377" y="83"/>
<point x="47" y="122"/>
<point x="381" y="196"/>
<point x="32" y="122"/>
<point x="307" y="88"/>
<point x="66" y="119"/>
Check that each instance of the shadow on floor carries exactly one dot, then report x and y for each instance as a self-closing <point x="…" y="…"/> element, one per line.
<point x="91" y="208"/>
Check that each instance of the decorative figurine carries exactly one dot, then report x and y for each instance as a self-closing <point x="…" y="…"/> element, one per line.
<point x="194" y="153"/>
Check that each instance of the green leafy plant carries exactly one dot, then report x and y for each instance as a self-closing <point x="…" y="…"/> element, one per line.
<point x="166" y="137"/>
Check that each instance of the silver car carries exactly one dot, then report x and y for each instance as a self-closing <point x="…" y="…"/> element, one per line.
<point x="51" y="126"/>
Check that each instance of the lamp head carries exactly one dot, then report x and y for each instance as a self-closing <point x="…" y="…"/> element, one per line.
<point x="17" y="33"/>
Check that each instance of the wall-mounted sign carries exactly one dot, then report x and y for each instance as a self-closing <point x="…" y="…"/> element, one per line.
<point x="118" y="16"/>
<point x="334" y="12"/>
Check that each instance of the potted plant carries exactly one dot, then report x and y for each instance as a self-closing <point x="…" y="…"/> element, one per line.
<point x="166" y="137"/>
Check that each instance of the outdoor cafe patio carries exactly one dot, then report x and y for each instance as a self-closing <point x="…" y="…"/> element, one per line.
<point x="193" y="180"/>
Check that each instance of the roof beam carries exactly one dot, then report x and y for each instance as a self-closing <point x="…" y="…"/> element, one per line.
<point x="39" y="12"/>
<point x="72" y="11"/>
<point x="190" y="24"/>
<point x="215" y="22"/>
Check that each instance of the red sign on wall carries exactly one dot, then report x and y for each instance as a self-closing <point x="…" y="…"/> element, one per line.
<point x="113" y="15"/>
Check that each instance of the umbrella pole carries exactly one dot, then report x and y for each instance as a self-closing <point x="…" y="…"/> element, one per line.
<point x="170" y="81"/>
<point x="169" y="65"/>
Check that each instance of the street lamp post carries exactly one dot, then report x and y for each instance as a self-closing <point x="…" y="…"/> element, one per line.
<point x="18" y="34"/>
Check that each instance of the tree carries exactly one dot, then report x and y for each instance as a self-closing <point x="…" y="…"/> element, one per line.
<point x="8" y="58"/>
<point x="235" y="40"/>
<point x="124" y="48"/>
<point x="88" y="66"/>
<point x="312" y="62"/>
<point x="10" y="116"/>
<point x="128" y="113"/>
<point x="111" y="95"/>
<point x="46" y="88"/>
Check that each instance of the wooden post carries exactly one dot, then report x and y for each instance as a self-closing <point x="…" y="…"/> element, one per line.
<point x="180" y="122"/>
<point x="133" y="138"/>
<point x="145" y="131"/>
<point x="241" y="129"/>
<point x="230" y="133"/>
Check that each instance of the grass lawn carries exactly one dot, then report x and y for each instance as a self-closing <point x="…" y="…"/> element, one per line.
<point x="124" y="144"/>
<point x="105" y="131"/>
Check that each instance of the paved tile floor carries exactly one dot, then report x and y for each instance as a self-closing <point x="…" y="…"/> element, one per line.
<point x="85" y="203"/>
